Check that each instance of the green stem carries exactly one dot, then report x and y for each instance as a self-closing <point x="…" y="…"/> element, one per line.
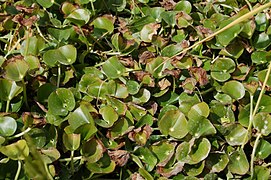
<point x="92" y="6"/>
<point x="253" y="154"/>
<point x="7" y="105"/>
<point x="25" y="95"/>
<point x="72" y="162"/>
<point x="27" y="41"/>
<point x="49" y="175"/>
<point x="58" y="76"/>
<point x="257" y="105"/>
<point x="69" y="159"/>
<point x="18" y="170"/>
<point x="20" y="134"/>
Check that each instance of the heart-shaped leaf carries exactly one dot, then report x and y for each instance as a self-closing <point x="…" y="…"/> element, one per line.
<point x="8" y="126"/>
<point x="61" y="101"/>
<point x="173" y="123"/>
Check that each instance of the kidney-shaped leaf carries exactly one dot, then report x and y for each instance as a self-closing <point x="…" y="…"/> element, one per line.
<point x="222" y="68"/>
<point x="147" y="157"/>
<point x="8" y="126"/>
<point x="69" y="52"/>
<point x="109" y="116"/>
<point x="163" y="151"/>
<point x="234" y="89"/>
<point x="16" y="151"/>
<point x="173" y="123"/>
<point x="103" y="23"/>
<point x="61" y="101"/>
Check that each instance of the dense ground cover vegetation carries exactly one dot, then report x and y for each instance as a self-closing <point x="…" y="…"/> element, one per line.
<point x="135" y="89"/>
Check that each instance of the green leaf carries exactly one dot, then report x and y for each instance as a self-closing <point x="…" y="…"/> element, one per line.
<point x="103" y="166"/>
<point x="200" y="150"/>
<point x="109" y="115"/>
<point x="157" y="66"/>
<point x="183" y="6"/>
<point x="163" y="151"/>
<point x="70" y="54"/>
<point x="16" y="151"/>
<point x="261" y="173"/>
<point x="79" y="117"/>
<point x="113" y="68"/>
<point x="133" y="87"/>
<point x="8" y="126"/>
<point x="260" y="57"/>
<point x="9" y="89"/>
<point x="234" y="89"/>
<point x="61" y="101"/>
<point x="263" y="149"/>
<point x="221" y="69"/>
<point x="142" y="96"/>
<point x="198" y="111"/>
<point x="93" y="150"/>
<point x="71" y="141"/>
<point x="173" y="123"/>
<point x="171" y="50"/>
<point x="228" y="35"/>
<point x="217" y="162"/>
<point x="261" y="41"/>
<point x="103" y="24"/>
<point x="147" y="157"/>
<point x="262" y="122"/>
<point x="79" y="17"/>
<point x="15" y="69"/>
<point x="194" y="170"/>
<point x="45" y="3"/>
<point x="237" y="135"/>
<point x="238" y="163"/>
<point x="200" y="127"/>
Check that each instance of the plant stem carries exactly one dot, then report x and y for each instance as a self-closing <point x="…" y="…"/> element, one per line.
<point x="27" y="42"/>
<point x="253" y="154"/>
<point x="72" y="163"/>
<point x="18" y="170"/>
<point x="7" y="105"/>
<point x="257" y="105"/>
<point x="58" y="76"/>
<point x="236" y="21"/>
<point x="25" y="95"/>
<point x="20" y="134"/>
<point x="69" y="159"/>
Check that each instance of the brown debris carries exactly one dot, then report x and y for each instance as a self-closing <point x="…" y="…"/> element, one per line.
<point x="168" y="4"/>
<point x="120" y="157"/>
<point x="200" y="75"/>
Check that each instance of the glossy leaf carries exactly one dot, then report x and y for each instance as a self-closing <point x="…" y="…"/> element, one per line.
<point x="173" y="123"/>
<point x="9" y="89"/>
<point x="8" y="126"/>
<point x="113" y="68"/>
<point x="61" y="101"/>
<point x="16" y="70"/>
<point x="234" y="89"/>
<point x="238" y="163"/>
<point x="262" y="122"/>
<point x="71" y="141"/>
<point x="16" y="151"/>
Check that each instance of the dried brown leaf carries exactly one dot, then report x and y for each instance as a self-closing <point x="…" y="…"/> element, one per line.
<point x="120" y="157"/>
<point x="200" y="75"/>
